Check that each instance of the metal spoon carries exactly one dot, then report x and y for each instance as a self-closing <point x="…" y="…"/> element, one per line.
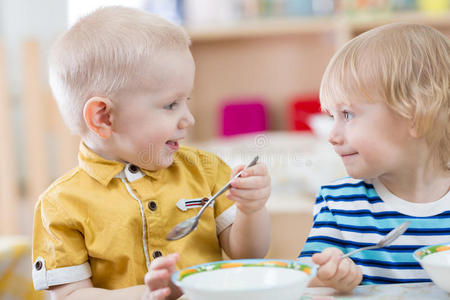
<point x="185" y="227"/>
<point x="385" y="241"/>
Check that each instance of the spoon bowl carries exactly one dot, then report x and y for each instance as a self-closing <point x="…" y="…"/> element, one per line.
<point x="182" y="229"/>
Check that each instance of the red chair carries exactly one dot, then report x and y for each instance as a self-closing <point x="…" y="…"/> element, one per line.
<point x="300" y="109"/>
<point x="243" y="115"/>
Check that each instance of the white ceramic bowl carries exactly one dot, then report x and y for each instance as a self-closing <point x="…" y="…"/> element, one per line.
<point x="245" y="279"/>
<point x="435" y="259"/>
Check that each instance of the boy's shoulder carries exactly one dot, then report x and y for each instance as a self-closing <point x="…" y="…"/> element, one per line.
<point x="70" y="181"/>
<point x="348" y="194"/>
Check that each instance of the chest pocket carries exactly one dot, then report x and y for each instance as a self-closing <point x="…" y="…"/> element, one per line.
<point x="187" y="204"/>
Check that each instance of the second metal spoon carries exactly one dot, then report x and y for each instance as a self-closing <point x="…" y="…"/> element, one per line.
<point x="385" y="241"/>
<point x="186" y="227"/>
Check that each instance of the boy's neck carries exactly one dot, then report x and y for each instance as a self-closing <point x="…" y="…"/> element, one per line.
<point x="418" y="186"/>
<point x="99" y="149"/>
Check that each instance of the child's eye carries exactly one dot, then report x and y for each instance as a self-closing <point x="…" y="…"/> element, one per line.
<point x="171" y="105"/>
<point x="347" y="115"/>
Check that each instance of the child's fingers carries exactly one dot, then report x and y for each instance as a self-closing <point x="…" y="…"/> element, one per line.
<point x="344" y="270"/>
<point x="329" y="261"/>
<point x="236" y="170"/>
<point x="175" y="257"/>
<point x="259" y="169"/>
<point x="240" y="195"/>
<point x="342" y="274"/>
<point x="165" y="262"/>
<point x="157" y="279"/>
<point x="252" y="182"/>
<point x="327" y="271"/>
<point x="324" y="256"/>
<point x="358" y="277"/>
<point x="352" y="280"/>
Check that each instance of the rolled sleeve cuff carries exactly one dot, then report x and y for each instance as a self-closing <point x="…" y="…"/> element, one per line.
<point x="43" y="278"/>
<point x="225" y="219"/>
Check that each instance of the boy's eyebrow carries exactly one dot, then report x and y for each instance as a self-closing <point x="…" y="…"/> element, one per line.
<point x="187" y="98"/>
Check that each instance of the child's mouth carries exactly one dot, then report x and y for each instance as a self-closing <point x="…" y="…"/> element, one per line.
<point x="172" y="145"/>
<point x="348" y="155"/>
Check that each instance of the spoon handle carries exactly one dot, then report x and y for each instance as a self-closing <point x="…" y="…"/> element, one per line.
<point x="385" y="241"/>
<point x="358" y="250"/>
<point x="228" y="185"/>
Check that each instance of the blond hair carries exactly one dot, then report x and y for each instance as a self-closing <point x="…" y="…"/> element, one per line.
<point x="101" y="53"/>
<point x="408" y="66"/>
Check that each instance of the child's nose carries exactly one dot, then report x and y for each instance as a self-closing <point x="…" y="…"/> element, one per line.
<point x="187" y="120"/>
<point x="335" y="137"/>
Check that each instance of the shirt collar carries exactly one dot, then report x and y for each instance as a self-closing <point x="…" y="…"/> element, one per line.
<point x="103" y="170"/>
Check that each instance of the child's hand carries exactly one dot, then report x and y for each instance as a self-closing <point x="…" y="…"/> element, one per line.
<point x="342" y="274"/>
<point x="252" y="189"/>
<point x="157" y="280"/>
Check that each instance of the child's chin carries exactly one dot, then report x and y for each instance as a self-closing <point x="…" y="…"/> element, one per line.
<point x="358" y="174"/>
<point x="165" y="162"/>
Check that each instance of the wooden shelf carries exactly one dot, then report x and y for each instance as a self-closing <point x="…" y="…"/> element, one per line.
<point x="262" y="28"/>
<point x="366" y="22"/>
<point x="311" y="25"/>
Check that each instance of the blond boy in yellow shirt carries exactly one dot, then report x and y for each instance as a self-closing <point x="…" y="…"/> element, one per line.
<point x="122" y="79"/>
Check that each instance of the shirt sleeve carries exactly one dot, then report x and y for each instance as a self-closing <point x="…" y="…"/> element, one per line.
<point x="59" y="252"/>
<point x="324" y="233"/>
<point x="218" y="175"/>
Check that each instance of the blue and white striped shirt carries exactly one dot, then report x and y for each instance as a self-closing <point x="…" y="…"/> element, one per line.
<point x="351" y="213"/>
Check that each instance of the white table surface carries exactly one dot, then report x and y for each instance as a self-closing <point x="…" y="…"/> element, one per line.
<point x="410" y="291"/>
<point x="415" y="291"/>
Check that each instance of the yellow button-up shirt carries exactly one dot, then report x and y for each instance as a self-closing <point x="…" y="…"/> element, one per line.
<point x="108" y="220"/>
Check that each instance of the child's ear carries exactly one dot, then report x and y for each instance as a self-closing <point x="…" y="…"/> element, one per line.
<point x="98" y="117"/>
<point x="413" y="131"/>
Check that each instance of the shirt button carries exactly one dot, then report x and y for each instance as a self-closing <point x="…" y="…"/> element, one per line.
<point x="38" y="265"/>
<point x="133" y="169"/>
<point x="157" y="253"/>
<point x="152" y="205"/>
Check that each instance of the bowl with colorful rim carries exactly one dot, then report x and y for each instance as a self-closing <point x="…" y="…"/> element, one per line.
<point x="245" y="279"/>
<point x="435" y="259"/>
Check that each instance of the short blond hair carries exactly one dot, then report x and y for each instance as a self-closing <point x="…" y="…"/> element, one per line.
<point x="99" y="55"/>
<point x="408" y="66"/>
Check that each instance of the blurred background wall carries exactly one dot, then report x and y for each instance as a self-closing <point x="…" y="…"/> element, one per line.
<point x="259" y="65"/>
